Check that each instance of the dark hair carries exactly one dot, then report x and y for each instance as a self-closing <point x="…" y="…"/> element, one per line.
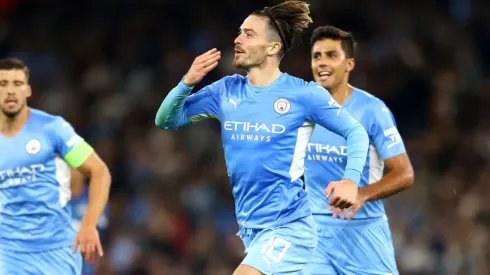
<point x="289" y="19"/>
<point x="347" y="41"/>
<point x="14" y="64"/>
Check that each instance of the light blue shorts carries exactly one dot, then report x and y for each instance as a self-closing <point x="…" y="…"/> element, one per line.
<point x="52" y="262"/>
<point x="357" y="247"/>
<point x="281" y="250"/>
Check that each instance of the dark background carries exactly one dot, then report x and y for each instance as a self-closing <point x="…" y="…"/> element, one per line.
<point x="106" y="66"/>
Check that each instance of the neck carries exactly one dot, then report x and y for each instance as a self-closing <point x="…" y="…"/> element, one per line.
<point x="341" y="92"/>
<point x="264" y="74"/>
<point x="10" y="126"/>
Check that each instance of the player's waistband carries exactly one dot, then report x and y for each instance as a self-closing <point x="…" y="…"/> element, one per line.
<point x="322" y="219"/>
<point x="247" y="231"/>
<point x="34" y="248"/>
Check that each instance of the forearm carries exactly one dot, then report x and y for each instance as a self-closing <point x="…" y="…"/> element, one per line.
<point x="171" y="114"/>
<point x="100" y="182"/>
<point x="357" y="144"/>
<point x="392" y="183"/>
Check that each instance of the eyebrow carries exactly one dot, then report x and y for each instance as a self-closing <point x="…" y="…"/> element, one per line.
<point x="15" y="80"/>
<point x="248" y="30"/>
<point x="329" y="51"/>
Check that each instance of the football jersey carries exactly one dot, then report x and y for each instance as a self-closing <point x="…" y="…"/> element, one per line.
<point x="35" y="210"/>
<point x="327" y="153"/>
<point x="265" y="132"/>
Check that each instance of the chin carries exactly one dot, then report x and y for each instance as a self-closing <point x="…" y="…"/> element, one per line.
<point x="11" y="113"/>
<point x="239" y="65"/>
<point x="323" y="84"/>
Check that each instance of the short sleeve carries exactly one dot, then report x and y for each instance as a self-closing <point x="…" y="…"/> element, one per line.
<point x="68" y="144"/>
<point x="325" y="111"/>
<point x="384" y="132"/>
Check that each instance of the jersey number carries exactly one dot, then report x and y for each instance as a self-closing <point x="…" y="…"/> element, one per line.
<point x="275" y="249"/>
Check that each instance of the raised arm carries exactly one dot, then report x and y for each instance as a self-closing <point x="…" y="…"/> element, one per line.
<point x="178" y="108"/>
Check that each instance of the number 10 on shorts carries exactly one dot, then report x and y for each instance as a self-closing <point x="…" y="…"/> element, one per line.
<point x="275" y="249"/>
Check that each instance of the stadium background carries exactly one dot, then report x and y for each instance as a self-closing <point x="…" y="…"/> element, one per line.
<point x="106" y="66"/>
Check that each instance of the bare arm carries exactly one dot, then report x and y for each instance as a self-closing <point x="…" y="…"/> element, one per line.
<point x="99" y="186"/>
<point x="399" y="178"/>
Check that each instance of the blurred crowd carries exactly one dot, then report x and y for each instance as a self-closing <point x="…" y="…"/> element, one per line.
<point x="106" y="67"/>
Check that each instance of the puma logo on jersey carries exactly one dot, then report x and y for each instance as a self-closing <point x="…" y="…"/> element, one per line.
<point x="232" y="101"/>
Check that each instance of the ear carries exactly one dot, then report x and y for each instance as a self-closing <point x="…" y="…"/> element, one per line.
<point x="351" y="63"/>
<point x="28" y="91"/>
<point x="274" y="48"/>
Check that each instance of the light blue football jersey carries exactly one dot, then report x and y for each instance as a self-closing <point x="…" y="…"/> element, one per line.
<point x="35" y="210"/>
<point x="327" y="153"/>
<point x="265" y="132"/>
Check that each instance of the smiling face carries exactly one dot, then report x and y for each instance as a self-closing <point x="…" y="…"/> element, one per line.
<point x="254" y="43"/>
<point x="329" y="63"/>
<point x="14" y="91"/>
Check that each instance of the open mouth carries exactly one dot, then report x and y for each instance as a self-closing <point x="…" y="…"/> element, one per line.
<point x="324" y="75"/>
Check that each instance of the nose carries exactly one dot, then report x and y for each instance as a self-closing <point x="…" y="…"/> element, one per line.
<point x="322" y="62"/>
<point x="238" y="40"/>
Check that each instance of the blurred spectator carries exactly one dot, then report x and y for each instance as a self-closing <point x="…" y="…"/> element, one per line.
<point x="107" y="67"/>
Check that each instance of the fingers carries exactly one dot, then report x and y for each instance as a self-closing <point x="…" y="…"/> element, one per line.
<point x="89" y="251"/>
<point x="344" y="214"/>
<point x="211" y="63"/>
<point x="338" y="202"/>
<point x="89" y="257"/>
<point x="330" y="188"/>
<point x="334" y="201"/>
<point x="99" y="249"/>
<point x="202" y="65"/>
<point x="75" y="246"/>
<point x="344" y="203"/>
<point x="210" y="52"/>
<point x="204" y="60"/>
<point x="90" y="248"/>
<point x="354" y="212"/>
<point x="336" y="213"/>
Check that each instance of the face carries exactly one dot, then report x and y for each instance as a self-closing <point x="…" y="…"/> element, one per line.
<point x="329" y="64"/>
<point x="14" y="92"/>
<point x="253" y="45"/>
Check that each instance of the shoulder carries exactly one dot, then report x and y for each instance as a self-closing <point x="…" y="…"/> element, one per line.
<point x="226" y="84"/>
<point x="50" y="124"/>
<point x="298" y="83"/>
<point x="45" y="119"/>
<point x="371" y="102"/>
<point x="303" y="89"/>
<point x="374" y="112"/>
<point x="232" y="80"/>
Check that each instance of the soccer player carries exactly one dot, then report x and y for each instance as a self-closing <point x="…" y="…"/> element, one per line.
<point x="362" y="245"/>
<point x="36" y="236"/>
<point x="267" y="118"/>
<point x="80" y="196"/>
